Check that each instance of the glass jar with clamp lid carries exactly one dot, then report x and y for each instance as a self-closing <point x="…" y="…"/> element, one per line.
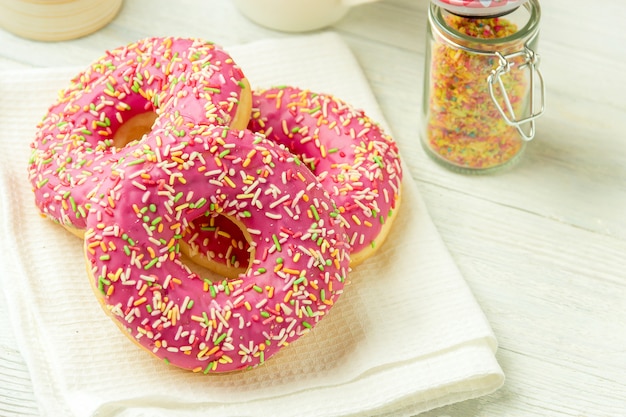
<point x="483" y="88"/>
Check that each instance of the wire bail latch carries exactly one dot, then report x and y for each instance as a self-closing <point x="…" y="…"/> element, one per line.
<point x="506" y="63"/>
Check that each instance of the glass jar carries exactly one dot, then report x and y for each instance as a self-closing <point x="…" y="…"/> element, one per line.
<point x="482" y="86"/>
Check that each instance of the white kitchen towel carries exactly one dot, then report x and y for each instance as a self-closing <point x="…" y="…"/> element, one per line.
<point x="406" y="336"/>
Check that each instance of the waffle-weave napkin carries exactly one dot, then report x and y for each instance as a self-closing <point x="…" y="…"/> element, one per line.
<point x="406" y="336"/>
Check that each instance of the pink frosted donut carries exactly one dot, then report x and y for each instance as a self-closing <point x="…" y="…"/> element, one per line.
<point x="298" y="249"/>
<point x="118" y="99"/>
<point x="351" y="156"/>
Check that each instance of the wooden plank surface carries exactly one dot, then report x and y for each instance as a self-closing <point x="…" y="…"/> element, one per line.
<point x="542" y="246"/>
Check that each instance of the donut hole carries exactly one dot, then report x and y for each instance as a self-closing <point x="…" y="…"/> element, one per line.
<point x="219" y="243"/>
<point x="134" y="128"/>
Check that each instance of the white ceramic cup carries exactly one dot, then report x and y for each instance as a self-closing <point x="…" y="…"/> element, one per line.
<point x="296" y="15"/>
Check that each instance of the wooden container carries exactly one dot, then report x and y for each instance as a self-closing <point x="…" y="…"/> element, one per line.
<point x="56" y="20"/>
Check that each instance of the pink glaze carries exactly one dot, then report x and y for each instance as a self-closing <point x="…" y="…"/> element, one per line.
<point x="299" y="264"/>
<point x="73" y="148"/>
<point x="351" y="156"/>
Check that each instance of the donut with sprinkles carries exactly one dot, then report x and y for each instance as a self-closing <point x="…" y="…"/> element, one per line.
<point x="351" y="155"/>
<point x="120" y="98"/>
<point x="298" y="247"/>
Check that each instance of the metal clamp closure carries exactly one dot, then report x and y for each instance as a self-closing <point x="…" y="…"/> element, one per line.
<point x="506" y="62"/>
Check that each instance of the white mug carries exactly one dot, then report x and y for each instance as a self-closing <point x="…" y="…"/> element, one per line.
<point x="296" y="15"/>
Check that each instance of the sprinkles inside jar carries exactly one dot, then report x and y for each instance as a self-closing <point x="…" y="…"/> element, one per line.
<point x="463" y="125"/>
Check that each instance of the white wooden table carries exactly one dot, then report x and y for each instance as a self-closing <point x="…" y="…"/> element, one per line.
<point x="543" y="246"/>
